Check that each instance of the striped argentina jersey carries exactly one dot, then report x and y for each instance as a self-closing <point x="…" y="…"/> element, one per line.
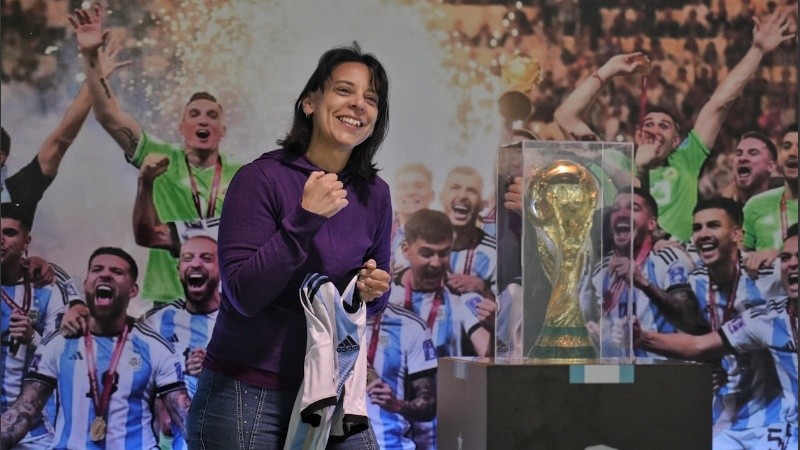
<point x="403" y="353"/>
<point x="454" y="320"/>
<point x="185" y="330"/>
<point x="480" y="259"/>
<point x="770" y="326"/>
<point x="147" y="367"/>
<point x="47" y="308"/>
<point x="751" y="397"/>
<point x="664" y="268"/>
<point x="332" y="398"/>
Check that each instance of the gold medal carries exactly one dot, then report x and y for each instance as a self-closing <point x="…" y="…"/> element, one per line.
<point x="372" y="375"/>
<point x="521" y="73"/>
<point x="97" y="432"/>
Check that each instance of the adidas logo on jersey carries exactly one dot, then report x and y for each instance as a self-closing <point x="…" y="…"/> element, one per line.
<point x="174" y="339"/>
<point x="348" y="345"/>
<point x="76" y="356"/>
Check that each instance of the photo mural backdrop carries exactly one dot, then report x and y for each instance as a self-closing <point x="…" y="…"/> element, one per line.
<point x="450" y="107"/>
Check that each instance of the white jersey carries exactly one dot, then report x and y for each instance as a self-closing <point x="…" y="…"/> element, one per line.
<point x="332" y="398"/>
<point x="398" y="259"/>
<point x="147" y="367"/>
<point x="185" y="330"/>
<point x="404" y="351"/>
<point x="770" y="326"/>
<point x="479" y="260"/>
<point x="47" y="308"/>
<point x="665" y="268"/>
<point x="453" y="321"/>
<point x="185" y="230"/>
<point x="508" y="333"/>
<point x="751" y="396"/>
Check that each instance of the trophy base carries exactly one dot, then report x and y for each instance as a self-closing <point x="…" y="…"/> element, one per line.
<point x="564" y="344"/>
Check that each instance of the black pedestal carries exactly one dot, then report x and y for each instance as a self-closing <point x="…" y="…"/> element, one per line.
<point x="657" y="405"/>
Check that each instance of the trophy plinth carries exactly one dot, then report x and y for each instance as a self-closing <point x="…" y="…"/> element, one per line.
<point x="563" y="197"/>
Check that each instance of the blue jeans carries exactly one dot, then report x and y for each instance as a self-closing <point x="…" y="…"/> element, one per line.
<point x="228" y="414"/>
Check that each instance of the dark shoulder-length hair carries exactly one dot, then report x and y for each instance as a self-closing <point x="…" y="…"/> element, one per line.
<point x="299" y="136"/>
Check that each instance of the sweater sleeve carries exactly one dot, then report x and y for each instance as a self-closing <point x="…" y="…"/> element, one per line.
<point x="258" y="251"/>
<point x="381" y="249"/>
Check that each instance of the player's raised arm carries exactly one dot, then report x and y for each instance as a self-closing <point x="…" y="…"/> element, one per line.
<point x="59" y="140"/>
<point x="125" y="130"/>
<point x="767" y="37"/>
<point x="568" y="115"/>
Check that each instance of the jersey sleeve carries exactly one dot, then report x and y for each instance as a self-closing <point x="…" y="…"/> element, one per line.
<point x="44" y="365"/>
<point x="672" y="268"/>
<point x="168" y="371"/>
<point x="749" y="225"/>
<point x="149" y="144"/>
<point x="27" y="186"/>
<point x="469" y="312"/>
<point x="692" y="153"/>
<point x="748" y="331"/>
<point x="67" y="285"/>
<point x="55" y="309"/>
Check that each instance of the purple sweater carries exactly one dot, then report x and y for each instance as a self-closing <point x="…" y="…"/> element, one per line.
<point x="267" y="245"/>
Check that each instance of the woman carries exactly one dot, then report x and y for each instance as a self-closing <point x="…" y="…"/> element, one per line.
<point x="314" y="205"/>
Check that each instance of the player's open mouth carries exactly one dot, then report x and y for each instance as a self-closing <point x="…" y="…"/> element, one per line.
<point x="707" y="246"/>
<point x="103" y="295"/>
<point x="622" y="224"/>
<point x="743" y="171"/>
<point x="195" y="280"/>
<point x="203" y="134"/>
<point x="793" y="279"/>
<point x="791" y="163"/>
<point x="461" y="210"/>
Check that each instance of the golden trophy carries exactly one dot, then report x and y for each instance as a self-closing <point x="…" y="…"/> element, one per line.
<point x="562" y="198"/>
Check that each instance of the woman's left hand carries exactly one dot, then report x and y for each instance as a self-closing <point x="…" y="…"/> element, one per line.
<point x="372" y="282"/>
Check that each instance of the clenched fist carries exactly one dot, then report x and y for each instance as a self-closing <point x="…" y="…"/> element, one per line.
<point x="323" y="194"/>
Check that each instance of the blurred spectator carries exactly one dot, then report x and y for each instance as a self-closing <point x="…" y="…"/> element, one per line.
<point x="692" y="27"/>
<point x="668" y="26"/>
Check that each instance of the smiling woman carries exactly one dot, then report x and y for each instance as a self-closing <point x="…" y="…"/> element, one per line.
<point x="316" y="205"/>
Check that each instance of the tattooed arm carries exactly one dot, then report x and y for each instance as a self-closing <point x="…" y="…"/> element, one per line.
<point x="422" y="403"/>
<point x="19" y="418"/>
<point x="177" y="404"/>
<point x="125" y="130"/>
<point x="680" y="307"/>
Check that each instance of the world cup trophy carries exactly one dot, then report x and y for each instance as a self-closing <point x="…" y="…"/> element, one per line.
<point x="562" y="197"/>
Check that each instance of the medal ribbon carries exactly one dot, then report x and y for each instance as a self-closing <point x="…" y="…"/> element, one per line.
<point x="101" y="400"/>
<point x="26" y="299"/>
<point x="373" y="340"/>
<point x="712" y="301"/>
<point x="438" y="299"/>
<point x="212" y="196"/>
<point x="784" y="219"/>
<point x="26" y="306"/>
<point x="468" y="261"/>
<point x="793" y="320"/>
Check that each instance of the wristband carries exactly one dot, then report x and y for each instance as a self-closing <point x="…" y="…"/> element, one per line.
<point x="599" y="78"/>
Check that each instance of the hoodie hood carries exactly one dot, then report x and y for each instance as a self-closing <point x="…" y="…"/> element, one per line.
<point x="300" y="163"/>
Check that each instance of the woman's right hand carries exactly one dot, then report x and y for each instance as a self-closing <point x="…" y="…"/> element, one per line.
<point x="323" y="194"/>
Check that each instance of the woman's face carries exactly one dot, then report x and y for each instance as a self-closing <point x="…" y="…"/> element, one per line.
<point x="345" y="110"/>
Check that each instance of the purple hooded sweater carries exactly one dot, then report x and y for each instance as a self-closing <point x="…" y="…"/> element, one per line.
<point x="267" y="245"/>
